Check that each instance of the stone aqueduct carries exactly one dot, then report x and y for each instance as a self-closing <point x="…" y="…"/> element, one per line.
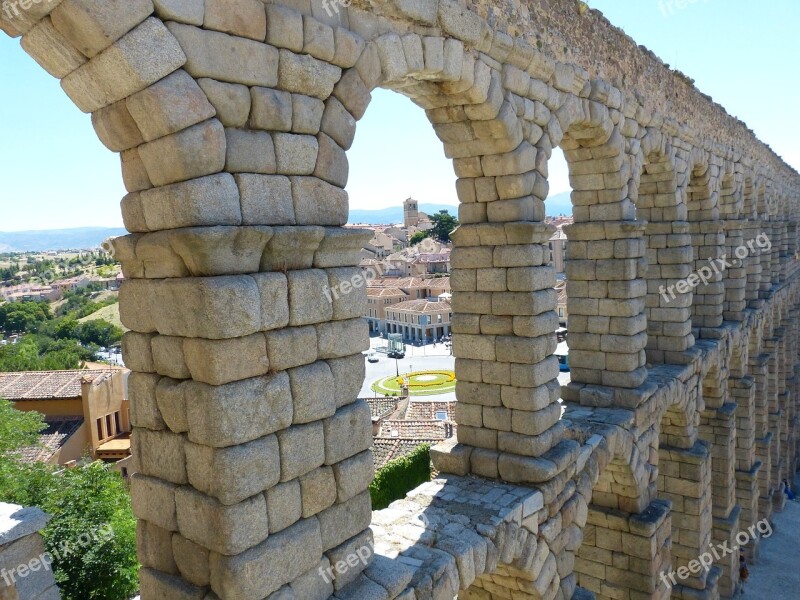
<point x="233" y="118"/>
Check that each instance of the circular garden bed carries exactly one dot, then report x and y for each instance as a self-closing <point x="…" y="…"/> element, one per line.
<point x="420" y="383"/>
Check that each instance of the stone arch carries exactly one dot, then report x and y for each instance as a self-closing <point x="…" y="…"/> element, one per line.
<point x="669" y="252"/>
<point x="735" y="274"/>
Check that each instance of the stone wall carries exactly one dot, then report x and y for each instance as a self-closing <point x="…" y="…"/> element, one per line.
<point x="233" y="120"/>
<point x="25" y="572"/>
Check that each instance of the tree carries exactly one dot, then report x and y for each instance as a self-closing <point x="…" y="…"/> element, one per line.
<point x="100" y="332"/>
<point x="417" y="238"/>
<point x="18" y="317"/>
<point x="18" y="429"/>
<point x="443" y="225"/>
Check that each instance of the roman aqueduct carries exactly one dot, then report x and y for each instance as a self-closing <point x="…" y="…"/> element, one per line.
<point x="233" y="119"/>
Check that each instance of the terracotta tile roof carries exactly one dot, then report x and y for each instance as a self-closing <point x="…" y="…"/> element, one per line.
<point x="386" y="292"/>
<point x="380" y="407"/>
<point x="420" y="410"/>
<point x="421" y="306"/>
<point x="47" y="385"/>
<point x="386" y="449"/>
<point x="416" y="430"/>
<point x="51" y="439"/>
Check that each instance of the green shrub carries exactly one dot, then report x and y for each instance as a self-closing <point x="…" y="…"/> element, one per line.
<point x="400" y="476"/>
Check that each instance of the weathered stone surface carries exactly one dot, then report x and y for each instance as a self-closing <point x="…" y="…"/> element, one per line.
<point x="243" y="18"/>
<point x="227" y="58"/>
<point x="348" y="432"/>
<point x="236" y="473"/>
<point x="318" y="203"/>
<point x="91" y="29"/>
<point x="313" y="392"/>
<point x="302" y="450"/>
<point x="140" y="58"/>
<point x="262" y="570"/>
<point x="305" y="74"/>
<point x="54" y="53"/>
<point x="265" y="199"/>
<point x="210" y="361"/>
<point x="174" y="158"/>
<point x="170" y="105"/>
<point x="239" y="412"/>
<point x="228" y="530"/>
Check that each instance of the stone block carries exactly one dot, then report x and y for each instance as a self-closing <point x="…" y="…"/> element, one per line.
<point x="91" y="29"/>
<point x="236" y="413"/>
<point x="348" y="432"/>
<point x="317" y="202"/>
<point x="284" y="505"/>
<point x="284" y="28"/>
<point x="339" y="339"/>
<point x="192" y="561"/>
<point x="338" y="123"/>
<point x="348" y="374"/>
<point x="282" y="558"/>
<point x="273" y="290"/>
<point x="265" y="199"/>
<point x="170" y="105"/>
<point x="236" y="473"/>
<point x="142" y="57"/>
<point x="313" y="586"/>
<point x="159" y="454"/>
<point x="312" y="392"/>
<point x="309" y="299"/>
<point x="350" y="558"/>
<point x="243" y="18"/>
<point x="207" y="201"/>
<point x="318" y="489"/>
<point x="318" y="39"/>
<point x="188" y="154"/>
<point x="142" y="394"/>
<point x="183" y="11"/>
<point x="171" y="398"/>
<point x="332" y="165"/>
<point x="228" y="530"/>
<point x="116" y="128"/>
<point x="295" y="154"/>
<point x="48" y="47"/>
<point x="271" y="109"/>
<point x="154" y="500"/>
<point x="353" y="475"/>
<point x="343" y="521"/>
<point x="230" y="101"/>
<point x="250" y="152"/>
<point x="168" y="357"/>
<point x="227" y="58"/>
<point x="304" y="74"/>
<point x="155" y="584"/>
<point x="154" y="547"/>
<point x="291" y="347"/>
<point x="302" y="450"/>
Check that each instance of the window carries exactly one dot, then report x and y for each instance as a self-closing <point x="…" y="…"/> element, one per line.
<point x="99" y="429"/>
<point x="117" y="422"/>
<point x="109" y="429"/>
<point x="441" y="415"/>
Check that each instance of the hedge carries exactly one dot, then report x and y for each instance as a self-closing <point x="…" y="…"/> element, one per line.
<point x="399" y="476"/>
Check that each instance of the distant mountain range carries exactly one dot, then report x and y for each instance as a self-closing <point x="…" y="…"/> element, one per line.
<point x="559" y="204"/>
<point x="56" y="239"/>
<point x="92" y="237"/>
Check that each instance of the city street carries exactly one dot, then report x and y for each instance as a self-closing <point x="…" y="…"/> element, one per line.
<point x="418" y="358"/>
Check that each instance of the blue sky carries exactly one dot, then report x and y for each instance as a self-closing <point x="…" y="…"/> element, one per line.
<point x="55" y="173"/>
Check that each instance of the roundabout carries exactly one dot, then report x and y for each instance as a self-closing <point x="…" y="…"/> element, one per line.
<point x="420" y="383"/>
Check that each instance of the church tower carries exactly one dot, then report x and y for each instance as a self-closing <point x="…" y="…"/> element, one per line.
<point x="410" y="213"/>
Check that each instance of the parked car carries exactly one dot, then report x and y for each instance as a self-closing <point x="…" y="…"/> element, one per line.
<point x="396" y="354"/>
<point x="372" y="357"/>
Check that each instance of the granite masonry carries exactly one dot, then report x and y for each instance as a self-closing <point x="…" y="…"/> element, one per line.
<point x="233" y="119"/>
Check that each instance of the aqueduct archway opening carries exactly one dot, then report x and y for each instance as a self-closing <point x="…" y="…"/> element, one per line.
<point x="233" y="121"/>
